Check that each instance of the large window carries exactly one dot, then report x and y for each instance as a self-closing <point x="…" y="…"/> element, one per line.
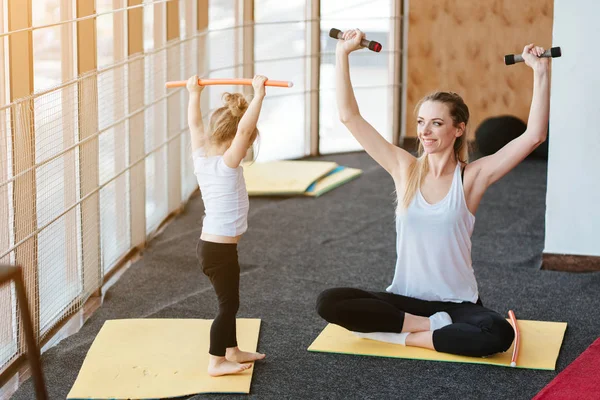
<point x="223" y="49"/>
<point x="370" y="72"/>
<point x="55" y="127"/>
<point x="155" y="122"/>
<point x="280" y="54"/>
<point x="112" y="140"/>
<point x="188" y="66"/>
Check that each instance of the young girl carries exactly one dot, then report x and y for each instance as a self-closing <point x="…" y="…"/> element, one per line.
<point x="217" y="157"/>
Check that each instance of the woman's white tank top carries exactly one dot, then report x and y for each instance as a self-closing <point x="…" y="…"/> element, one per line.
<point x="433" y="245"/>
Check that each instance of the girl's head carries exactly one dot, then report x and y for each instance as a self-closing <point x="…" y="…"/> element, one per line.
<point x="223" y="123"/>
<point x="442" y="119"/>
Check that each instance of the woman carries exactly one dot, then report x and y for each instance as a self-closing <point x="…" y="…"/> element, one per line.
<point x="433" y="301"/>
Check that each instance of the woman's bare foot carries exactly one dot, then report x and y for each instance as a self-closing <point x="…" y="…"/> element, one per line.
<point x="415" y="323"/>
<point x="421" y="339"/>
<point x="234" y="354"/>
<point x="218" y="366"/>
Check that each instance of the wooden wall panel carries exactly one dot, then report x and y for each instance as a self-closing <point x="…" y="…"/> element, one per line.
<point x="459" y="45"/>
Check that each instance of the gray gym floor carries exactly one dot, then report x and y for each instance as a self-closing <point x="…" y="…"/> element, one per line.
<point x="297" y="247"/>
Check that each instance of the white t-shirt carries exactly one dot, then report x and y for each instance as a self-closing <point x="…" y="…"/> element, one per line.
<point x="433" y="246"/>
<point x="224" y="194"/>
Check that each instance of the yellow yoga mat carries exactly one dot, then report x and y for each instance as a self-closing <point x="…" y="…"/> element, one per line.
<point x="539" y="348"/>
<point x="158" y="358"/>
<point x="284" y="177"/>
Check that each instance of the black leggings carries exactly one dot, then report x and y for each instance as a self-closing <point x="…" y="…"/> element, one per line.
<point x="220" y="264"/>
<point x="475" y="330"/>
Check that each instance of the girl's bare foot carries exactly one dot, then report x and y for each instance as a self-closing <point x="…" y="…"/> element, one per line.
<point x="218" y="366"/>
<point x="234" y="354"/>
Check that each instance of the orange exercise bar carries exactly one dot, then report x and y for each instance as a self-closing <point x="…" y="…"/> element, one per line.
<point x="206" y="82"/>
<point x="513" y="319"/>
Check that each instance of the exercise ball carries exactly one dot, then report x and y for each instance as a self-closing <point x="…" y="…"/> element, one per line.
<point x="495" y="132"/>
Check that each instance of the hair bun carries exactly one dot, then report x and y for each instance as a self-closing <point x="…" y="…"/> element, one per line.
<point x="236" y="103"/>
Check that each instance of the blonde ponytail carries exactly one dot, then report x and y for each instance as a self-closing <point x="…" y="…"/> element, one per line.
<point x="236" y="103"/>
<point x="224" y="122"/>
